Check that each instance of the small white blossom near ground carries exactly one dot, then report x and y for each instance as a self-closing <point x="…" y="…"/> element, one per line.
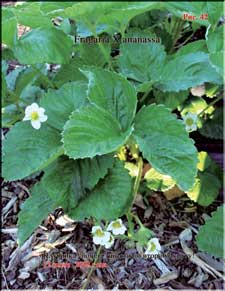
<point x="153" y="247"/>
<point x="35" y="114"/>
<point x="100" y="237"/>
<point x="109" y="243"/>
<point x="117" y="227"/>
<point x="190" y="120"/>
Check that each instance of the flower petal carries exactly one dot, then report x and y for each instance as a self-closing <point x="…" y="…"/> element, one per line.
<point x="43" y="118"/>
<point x="110" y="227"/>
<point x="109" y="243"/>
<point x="26" y="117"/>
<point x="41" y="111"/>
<point x="97" y="240"/>
<point x="36" y="124"/>
<point x="106" y="237"/>
<point x="34" y="106"/>
<point x="94" y="228"/>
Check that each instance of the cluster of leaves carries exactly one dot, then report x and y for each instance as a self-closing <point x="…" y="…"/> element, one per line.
<point x="102" y="96"/>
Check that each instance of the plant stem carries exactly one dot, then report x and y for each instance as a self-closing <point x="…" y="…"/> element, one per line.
<point x="187" y="39"/>
<point x="15" y="98"/>
<point x="107" y="58"/>
<point x="92" y="268"/>
<point x="210" y="104"/>
<point x="146" y="94"/>
<point x="44" y="77"/>
<point x="178" y="30"/>
<point x="135" y="191"/>
<point x="137" y="219"/>
<point x="138" y="178"/>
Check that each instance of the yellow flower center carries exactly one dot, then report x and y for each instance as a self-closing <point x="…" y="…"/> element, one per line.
<point x="34" y="115"/>
<point x="99" y="233"/>
<point x="152" y="247"/>
<point x="116" y="224"/>
<point x="189" y="121"/>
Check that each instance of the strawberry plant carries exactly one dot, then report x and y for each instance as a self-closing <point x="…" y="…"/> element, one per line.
<point x="90" y="90"/>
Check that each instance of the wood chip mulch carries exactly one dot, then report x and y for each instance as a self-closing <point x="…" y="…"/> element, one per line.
<point x="61" y="240"/>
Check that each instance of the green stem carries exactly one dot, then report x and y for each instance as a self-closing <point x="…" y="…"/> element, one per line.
<point x="15" y="98"/>
<point x="178" y="30"/>
<point x="52" y="85"/>
<point x="106" y="56"/>
<point x="135" y="191"/>
<point x="146" y="94"/>
<point x="95" y="261"/>
<point x="210" y="104"/>
<point x="130" y="224"/>
<point x="138" y="178"/>
<point x="92" y="268"/>
<point x="187" y="39"/>
<point x="137" y="219"/>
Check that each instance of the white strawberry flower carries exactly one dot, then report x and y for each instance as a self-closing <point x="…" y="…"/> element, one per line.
<point x="100" y="237"/>
<point x="110" y="242"/>
<point x="36" y="114"/>
<point x="153" y="247"/>
<point x="117" y="227"/>
<point x="190" y="120"/>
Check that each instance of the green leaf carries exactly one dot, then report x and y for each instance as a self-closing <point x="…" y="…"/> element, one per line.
<point x="64" y="183"/>
<point x="24" y="78"/>
<point x="110" y="199"/>
<point x="59" y="104"/>
<point x="79" y="177"/>
<point x="7" y="54"/>
<point x="100" y="17"/>
<point x="30" y="94"/>
<point x="158" y="182"/>
<point x="93" y="55"/>
<point x="9" y="115"/>
<point x="4" y="84"/>
<point x="193" y="47"/>
<point x="191" y="70"/>
<point x="4" y="87"/>
<point x="170" y="99"/>
<point x="11" y="78"/>
<point x="27" y="150"/>
<point x="30" y="15"/>
<point x="214" y="40"/>
<point x="203" y="161"/>
<point x="205" y="189"/>
<point x="206" y="164"/>
<point x="113" y="93"/>
<point x="34" y="210"/>
<point x="216" y="62"/>
<point x="165" y="144"/>
<point x="145" y="62"/>
<point x="213" y="127"/>
<point x="44" y="45"/>
<point x="69" y="72"/>
<point x="211" y="234"/>
<point x="92" y="131"/>
<point x="192" y="8"/>
<point x="54" y="9"/>
<point x="9" y="27"/>
<point x="215" y="11"/>
<point x="141" y="61"/>
<point x="142" y="235"/>
<point x="211" y="90"/>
